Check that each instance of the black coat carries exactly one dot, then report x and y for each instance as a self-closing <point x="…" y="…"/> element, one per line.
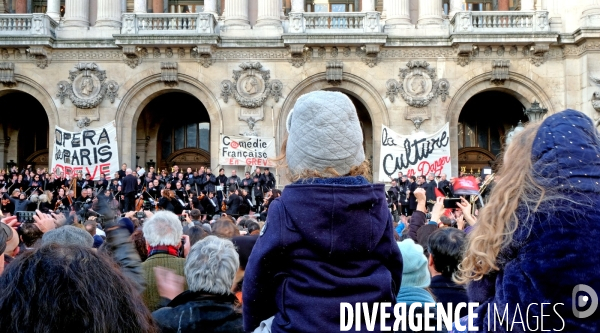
<point x="258" y="180"/>
<point x="412" y="200"/>
<point x="233" y="204"/>
<point x="430" y="190"/>
<point x="195" y="312"/>
<point x="129" y="184"/>
<point x="442" y="184"/>
<point x="447" y="291"/>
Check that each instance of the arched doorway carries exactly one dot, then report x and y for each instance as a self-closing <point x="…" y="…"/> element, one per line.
<point x="25" y="138"/>
<point x="171" y="138"/>
<point x="482" y="127"/>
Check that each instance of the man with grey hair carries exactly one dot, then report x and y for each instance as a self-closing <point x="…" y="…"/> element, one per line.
<point x="163" y="233"/>
<point x="130" y="188"/>
<point x="209" y="304"/>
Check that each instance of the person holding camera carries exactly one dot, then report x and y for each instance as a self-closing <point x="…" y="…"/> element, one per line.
<point x="130" y="189"/>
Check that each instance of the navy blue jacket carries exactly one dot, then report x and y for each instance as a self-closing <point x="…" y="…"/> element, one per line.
<point x="556" y="248"/>
<point x="322" y="244"/>
<point x="129" y="184"/>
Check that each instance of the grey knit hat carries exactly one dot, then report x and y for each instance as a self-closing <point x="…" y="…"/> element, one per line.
<point x="324" y="131"/>
<point x="68" y="235"/>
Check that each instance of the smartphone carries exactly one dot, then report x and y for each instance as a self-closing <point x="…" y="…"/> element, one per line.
<point x="140" y="215"/>
<point x="25" y="217"/>
<point x="451" y="203"/>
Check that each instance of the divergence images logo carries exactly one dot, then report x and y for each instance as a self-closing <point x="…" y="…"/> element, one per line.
<point x="583" y="296"/>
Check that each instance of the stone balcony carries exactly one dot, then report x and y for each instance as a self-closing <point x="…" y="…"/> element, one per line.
<point x="505" y="27"/>
<point x="168" y="29"/>
<point x="335" y="28"/>
<point x="27" y="29"/>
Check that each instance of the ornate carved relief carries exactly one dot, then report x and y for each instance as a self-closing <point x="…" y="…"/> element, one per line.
<point x="321" y="52"/>
<point x="465" y="52"/>
<point x="42" y="55"/>
<point x="156" y="52"/>
<point x="251" y="121"/>
<point x="132" y="55"/>
<point x="335" y="72"/>
<point x="7" y="74"/>
<point x="487" y="51"/>
<point x="369" y="54"/>
<point x="169" y="73"/>
<point x="84" y="122"/>
<point x="596" y="99"/>
<point x="500" y="71"/>
<point x="251" y="86"/>
<point x="418" y="85"/>
<point x="347" y="51"/>
<point x="4" y="54"/>
<point x="538" y="53"/>
<point x="334" y="52"/>
<point x="300" y="54"/>
<point x="393" y="87"/>
<point x="500" y="51"/>
<point x="181" y="53"/>
<point x="204" y="55"/>
<point x="169" y="52"/>
<point x="87" y="86"/>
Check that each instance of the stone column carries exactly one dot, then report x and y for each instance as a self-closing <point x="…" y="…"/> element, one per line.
<point x="210" y="6"/>
<point x="527" y="5"/>
<point x="456" y="6"/>
<point x="268" y="14"/>
<point x="21" y="7"/>
<point x="77" y="13"/>
<point x="298" y="6"/>
<point x="430" y="12"/>
<point x="236" y="15"/>
<point x="158" y="6"/>
<point x="123" y="6"/>
<point x="398" y="13"/>
<point x="140" y="6"/>
<point x="109" y="13"/>
<point x="53" y="9"/>
<point x="368" y="6"/>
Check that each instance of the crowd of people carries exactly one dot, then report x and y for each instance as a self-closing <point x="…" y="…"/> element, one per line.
<point x="129" y="190"/>
<point x="331" y="236"/>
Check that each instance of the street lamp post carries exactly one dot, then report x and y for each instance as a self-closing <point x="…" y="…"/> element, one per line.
<point x="535" y="112"/>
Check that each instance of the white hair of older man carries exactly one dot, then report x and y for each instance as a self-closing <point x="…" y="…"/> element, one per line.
<point x="211" y="266"/>
<point x="163" y="228"/>
<point x="128" y="171"/>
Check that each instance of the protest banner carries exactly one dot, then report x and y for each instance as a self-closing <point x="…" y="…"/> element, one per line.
<point x="247" y="150"/>
<point x="414" y="155"/>
<point x="92" y="151"/>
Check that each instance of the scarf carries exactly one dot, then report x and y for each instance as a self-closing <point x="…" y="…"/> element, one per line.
<point x="163" y="249"/>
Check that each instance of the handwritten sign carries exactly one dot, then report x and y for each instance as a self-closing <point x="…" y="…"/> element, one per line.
<point x="414" y="155"/>
<point x="247" y="150"/>
<point x="92" y="151"/>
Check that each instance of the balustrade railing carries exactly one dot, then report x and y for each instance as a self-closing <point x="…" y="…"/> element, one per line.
<point x="168" y="23"/>
<point x="500" y="22"/>
<point x="334" y="22"/>
<point x="27" y="24"/>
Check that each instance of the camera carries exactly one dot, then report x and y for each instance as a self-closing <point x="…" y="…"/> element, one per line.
<point x="140" y="215"/>
<point x="182" y="218"/>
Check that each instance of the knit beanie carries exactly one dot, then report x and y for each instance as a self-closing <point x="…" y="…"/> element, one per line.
<point x="68" y="235"/>
<point x="324" y="131"/>
<point x="414" y="270"/>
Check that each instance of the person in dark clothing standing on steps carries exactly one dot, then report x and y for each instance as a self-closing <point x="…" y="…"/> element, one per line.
<point x="130" y="188"/>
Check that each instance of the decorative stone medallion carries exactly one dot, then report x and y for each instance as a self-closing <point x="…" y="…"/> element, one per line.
<point x="251" y="86"/>
<point x="87" y="86"/>
<point x="418" y="85"/>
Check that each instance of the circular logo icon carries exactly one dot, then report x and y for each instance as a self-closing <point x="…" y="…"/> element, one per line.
<point x="234" y="144"/>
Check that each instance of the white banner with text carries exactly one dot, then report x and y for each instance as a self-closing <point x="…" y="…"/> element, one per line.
<point x="92" y="151"/>
<point x="247" y="150"/>
<point x="414" y="155"/>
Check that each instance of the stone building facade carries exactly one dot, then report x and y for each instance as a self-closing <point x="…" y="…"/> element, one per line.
<point x="174" y="82"/>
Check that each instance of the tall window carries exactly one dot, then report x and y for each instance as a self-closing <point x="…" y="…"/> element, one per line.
<point x="186" y="6"/>
<point x="195" y="135"/>
<point x="479" y="134"/>
<point x="331" y="6"/>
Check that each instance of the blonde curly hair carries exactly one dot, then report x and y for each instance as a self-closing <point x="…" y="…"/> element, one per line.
<point x="516" y="188"/>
